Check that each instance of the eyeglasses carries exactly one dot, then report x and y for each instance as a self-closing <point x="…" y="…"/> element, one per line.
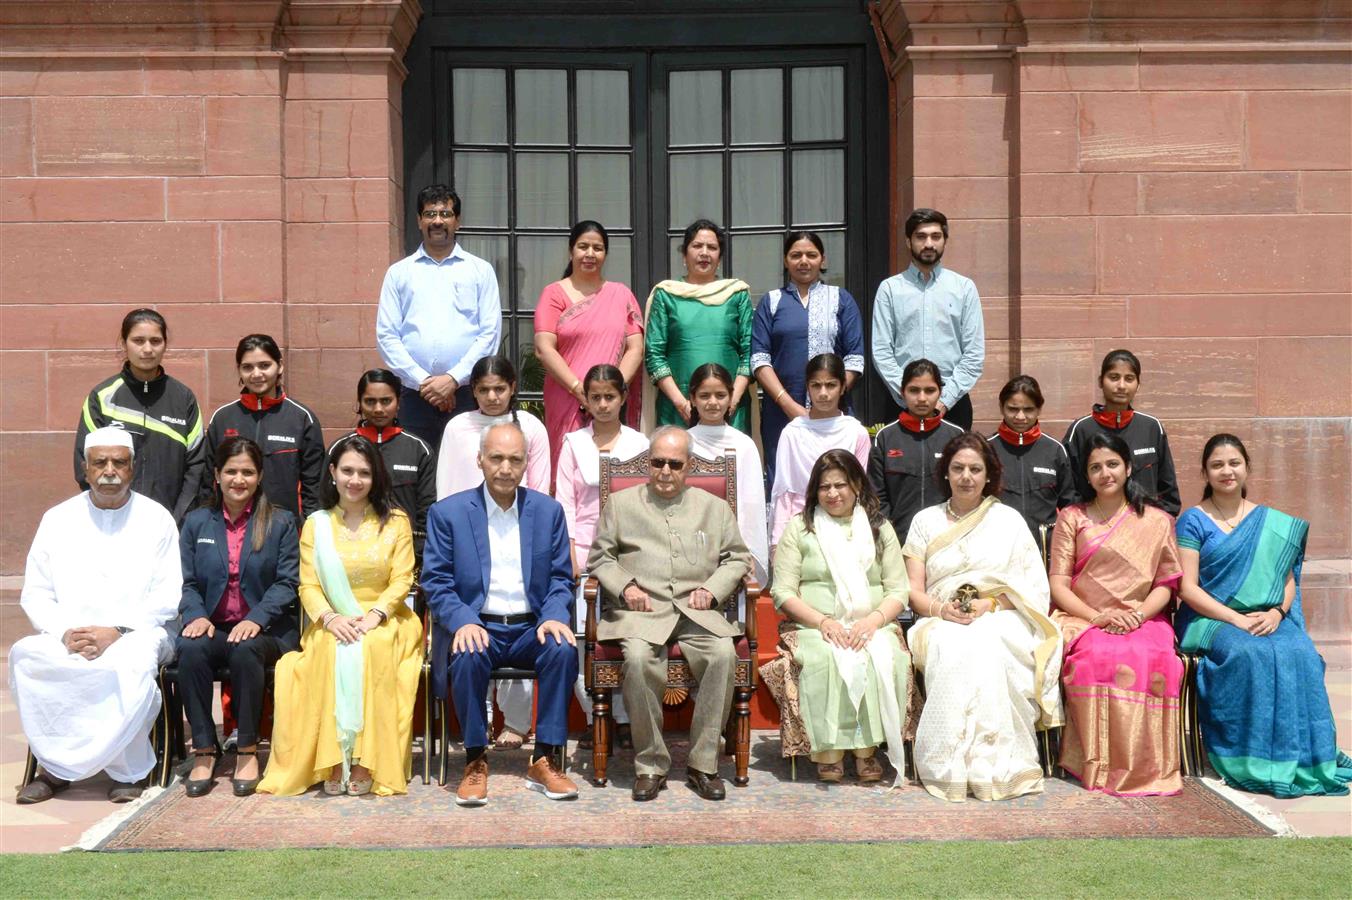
<point x="438" y="214"/>
<point x="674" y="465"/>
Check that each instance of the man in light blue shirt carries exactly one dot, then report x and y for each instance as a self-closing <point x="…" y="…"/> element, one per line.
<point x="439" y="314"/>
<point x="932" y="313"/>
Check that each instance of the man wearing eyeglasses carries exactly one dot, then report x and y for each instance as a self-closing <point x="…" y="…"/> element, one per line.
<point x="439" y="314"/>
<point x="669" y="559"/>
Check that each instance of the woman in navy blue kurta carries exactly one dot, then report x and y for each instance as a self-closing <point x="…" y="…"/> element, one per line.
<point x="794" y="324"/>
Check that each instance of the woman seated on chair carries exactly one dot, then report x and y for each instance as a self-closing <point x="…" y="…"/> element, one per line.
<point x="1114" y="568"/>
<point x="839" y="576"/>
<point x="1264" y="710"/>
<point x="344" y="702"/>
<point x="240" y="573"/>
<point x="985" y="644"/>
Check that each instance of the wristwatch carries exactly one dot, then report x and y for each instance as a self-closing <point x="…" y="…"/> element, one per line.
<point x="122" y="629"/>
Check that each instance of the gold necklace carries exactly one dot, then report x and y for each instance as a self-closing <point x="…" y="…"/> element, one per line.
<point x="1098" y="509"/>
<point x="1224" y="521"/>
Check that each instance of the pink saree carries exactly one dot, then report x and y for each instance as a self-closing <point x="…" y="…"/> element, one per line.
<point x="1121" y="690"/>
<point x="589" y="332"/>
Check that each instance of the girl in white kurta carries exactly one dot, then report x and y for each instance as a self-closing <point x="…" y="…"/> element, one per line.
<point x="806" y="438"/>
<point x="712" y="437"/>
<point x="116" y="568"/>
<point x="991" y="668"/>
<point x="577" y="487"/>
<point x="492" y="381"/>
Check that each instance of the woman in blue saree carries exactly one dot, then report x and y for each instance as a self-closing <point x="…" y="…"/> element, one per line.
<point x="1265" y="713"/>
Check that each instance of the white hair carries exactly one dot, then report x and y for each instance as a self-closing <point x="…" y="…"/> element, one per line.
<point x="670" y="429"/>
<point x="483" y="435"/>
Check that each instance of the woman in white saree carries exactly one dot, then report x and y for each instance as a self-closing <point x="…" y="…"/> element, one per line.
<point x="989" y="653"/>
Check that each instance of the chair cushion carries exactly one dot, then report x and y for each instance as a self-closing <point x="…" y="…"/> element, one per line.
<point x="611" y="651"/>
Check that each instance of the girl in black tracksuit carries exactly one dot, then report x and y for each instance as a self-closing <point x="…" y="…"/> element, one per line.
<point x="409" y="461"/>
<point x="1036" y="480"/>
<point x="1152" y="465"/>
<point x="159" y="412"/>
<point x="288" y="432"/>
<point x="901" y="465"/>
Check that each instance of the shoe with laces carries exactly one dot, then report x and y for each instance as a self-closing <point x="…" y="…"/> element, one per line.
<point x="473" y="790"/>
<point x="544" y="776"/>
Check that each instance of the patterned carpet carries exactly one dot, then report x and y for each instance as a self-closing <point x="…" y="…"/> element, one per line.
<point x="772" y="809"/>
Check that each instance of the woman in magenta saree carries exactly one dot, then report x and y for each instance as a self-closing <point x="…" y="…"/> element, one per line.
<point x="581" y="321"/>
<point x="1114" y="570"/>
<point x="1264" y="710"/>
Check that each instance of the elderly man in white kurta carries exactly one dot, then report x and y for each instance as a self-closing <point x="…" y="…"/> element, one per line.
<point x="103" y="578"/>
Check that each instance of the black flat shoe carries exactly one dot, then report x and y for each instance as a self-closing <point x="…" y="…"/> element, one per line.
<point x="201" y="787"/>
<point x="710" y="787"/>
<point x="244" y="787"/>
<point x="624" y="738"/>
<point x="646" y="787"/>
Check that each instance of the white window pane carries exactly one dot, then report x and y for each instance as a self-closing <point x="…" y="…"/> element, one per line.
<point x="540" y="259"/>
<point x="696" y="187"/>
<point x="819" y="103"/>
<point x="479" y="106"/>
<point x="542" y="190"/>
<point x="695" y="100"/>
<point x="818" y="186"/>
<point x="619" y="261"/>
<point x="758" y="188"/>
<point x="541" y="106"/>
<point x="834" y="242"/>
<point x="603" y="188"/>
<point x="602" y="108"/>
<point x="757" y="106"/>
<point x="758" y="259"/>
<point x="481" y="182"/>
<point x="493" y="249"/>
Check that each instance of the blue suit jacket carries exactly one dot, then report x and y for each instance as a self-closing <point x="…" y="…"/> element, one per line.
<point x="267" y="579"/>
<point x="455" y="572"/>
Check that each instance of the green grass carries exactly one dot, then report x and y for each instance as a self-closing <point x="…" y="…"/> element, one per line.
<point x="1069" y="868"/>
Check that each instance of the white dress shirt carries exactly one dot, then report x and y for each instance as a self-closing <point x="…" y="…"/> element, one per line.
<point x="506" y="586"/>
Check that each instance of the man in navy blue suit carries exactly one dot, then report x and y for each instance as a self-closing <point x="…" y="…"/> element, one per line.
<point x="499" y="579"/>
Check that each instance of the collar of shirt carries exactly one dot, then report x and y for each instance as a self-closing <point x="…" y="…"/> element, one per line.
<point x="494" y="510"/>
<point x="456" y="253"/>
<point x="243" y="516"/>
<point x="817" y="287"/>
<point x="913" y="273"/>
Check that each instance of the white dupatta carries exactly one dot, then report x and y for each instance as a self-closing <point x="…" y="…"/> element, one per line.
<point x="848" y="559"/>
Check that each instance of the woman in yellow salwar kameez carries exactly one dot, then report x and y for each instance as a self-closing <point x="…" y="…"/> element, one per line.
<point x="343" y="704"/>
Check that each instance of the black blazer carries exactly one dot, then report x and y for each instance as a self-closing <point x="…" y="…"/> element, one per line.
<point x="267" y="579"/>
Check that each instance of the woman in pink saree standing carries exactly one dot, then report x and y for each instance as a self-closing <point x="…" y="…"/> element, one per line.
<point x="1114" y="571"/>
<point x="581" y="321"/>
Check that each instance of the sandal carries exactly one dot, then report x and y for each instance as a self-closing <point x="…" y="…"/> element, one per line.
<point x="358" y="786"/>
<point x="200" y="787"/>
<point x="333" y="785"/>
<point x="830" y="772"/>
<point x="869" y="769"/>
<point x="243" y="787"/>
<point x="508" y="739"/>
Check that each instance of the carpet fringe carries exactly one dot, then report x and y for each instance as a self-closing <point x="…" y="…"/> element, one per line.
<point x="1268" y="818"/>
<point x="102" y="829"/>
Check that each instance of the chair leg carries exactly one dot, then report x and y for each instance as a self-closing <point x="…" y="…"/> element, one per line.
<point x="1188" y="759"/>
<point x="908" y="748"/>
<point x="742" y="714"/>
<point x="601" y="728"/>
<point x="793" y="767"/>
<point x="427" y="728"/>
<point x="30" y="769"/>
<point x="444" y="744"/>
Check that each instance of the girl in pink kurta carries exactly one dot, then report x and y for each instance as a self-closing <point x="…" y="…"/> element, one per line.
<point x="581" y="321"/>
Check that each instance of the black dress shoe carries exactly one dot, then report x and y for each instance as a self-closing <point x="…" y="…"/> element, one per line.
<point x="244" y="787"/>
<point x="646" y="787"/>
<point x="202" y="786"/>
<point x="710" y="787"/>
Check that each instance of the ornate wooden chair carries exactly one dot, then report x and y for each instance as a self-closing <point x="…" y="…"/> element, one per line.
<point x="603" y="666"/>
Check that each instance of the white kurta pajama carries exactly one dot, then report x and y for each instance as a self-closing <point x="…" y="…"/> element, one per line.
<point x="90" y="566"/>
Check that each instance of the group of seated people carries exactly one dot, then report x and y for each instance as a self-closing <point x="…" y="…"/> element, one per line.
<point x="1042" y="577"/>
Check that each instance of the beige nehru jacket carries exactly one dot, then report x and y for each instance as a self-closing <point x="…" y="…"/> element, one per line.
<point x="668" y="548"/>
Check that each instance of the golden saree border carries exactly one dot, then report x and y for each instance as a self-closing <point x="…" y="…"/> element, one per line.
<point x="1027" y="782"/>
<point x="1122" y="742"/>
<point x="961" y="528"/>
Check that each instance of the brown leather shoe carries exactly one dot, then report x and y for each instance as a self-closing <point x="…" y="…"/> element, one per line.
<point x="473" y="790"/>
<point x="548" y="779"/>
<point x="42" y="787"/>
<point x="125" y="793"/>
<point x="646" y="787"/>
<point x="869" y="770"/>
<point x="710" y="787"/>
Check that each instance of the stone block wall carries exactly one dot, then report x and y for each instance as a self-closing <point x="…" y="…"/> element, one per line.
<point x="1171" y="178"/>
<point x="238" y="166"/>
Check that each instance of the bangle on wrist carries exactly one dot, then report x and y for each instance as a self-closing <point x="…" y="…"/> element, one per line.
<point x="782" y="392"/>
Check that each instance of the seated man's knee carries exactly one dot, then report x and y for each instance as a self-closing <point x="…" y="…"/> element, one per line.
<point x="723" y="652"/>
<point x="555" y="653"/>
<point x="246" y="653"/>
<point x="193" y="651"/>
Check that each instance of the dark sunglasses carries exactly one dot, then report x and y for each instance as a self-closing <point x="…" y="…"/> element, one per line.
<point x="675" y="465"/>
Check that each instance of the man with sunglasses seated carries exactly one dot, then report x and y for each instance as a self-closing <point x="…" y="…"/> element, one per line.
<point x="667" y="558"/>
